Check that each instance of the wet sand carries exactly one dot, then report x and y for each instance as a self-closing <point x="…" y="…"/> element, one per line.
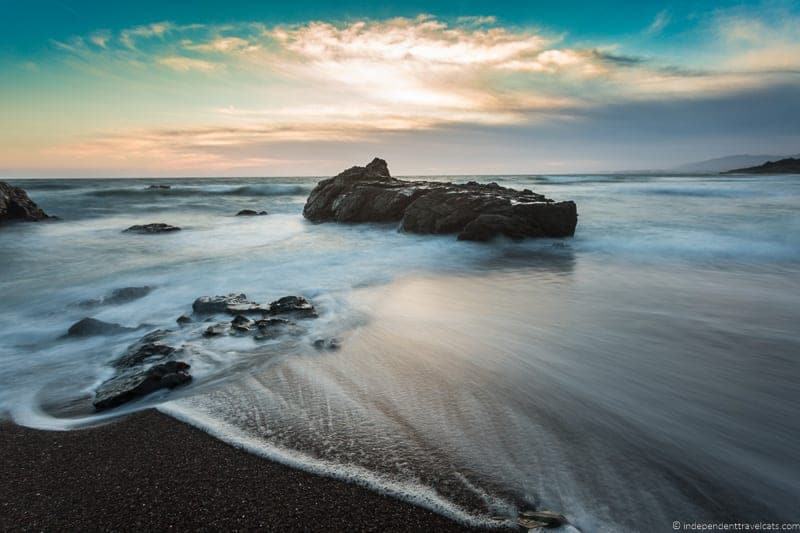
<point x="148" y="471"/>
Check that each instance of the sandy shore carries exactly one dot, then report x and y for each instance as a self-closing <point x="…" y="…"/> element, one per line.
<point x="151" y="472"/>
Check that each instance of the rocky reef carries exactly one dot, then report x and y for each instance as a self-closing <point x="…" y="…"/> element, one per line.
<point x="473" y="211"/>
<point x="16" y="205"/>
<point x="153" y="363"/>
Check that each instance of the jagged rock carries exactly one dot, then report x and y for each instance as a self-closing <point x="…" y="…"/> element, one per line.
<point x="146" y="350"/>
<point x="159" y="187"/>
<point x="16" y="205"/>
<point x="241" y="323"/>
<point x="540" y="519"/>
<point x="149" y="229"/>
<point x="294" y="305"/>
<point x="474" y="211"/>
<point x="232" y="303"/>
<point x="88" y="327"/>
<point x="136" y="383"/>
<point x="250" y="213"/>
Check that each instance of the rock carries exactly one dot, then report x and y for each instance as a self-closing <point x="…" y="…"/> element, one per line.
<point x="137" y="383"/>
<point x="149" y="229"/>
<point x="15" y="205"/>
<point x="330" y="344"/>
<point x="232" y="303"/>
<point x="119" y="296"/>
<point x="183" y="320"/>
<point x="241" y="323"/>
<point x="159" y="187"/>
<point x="294" y="305"/>
<point x="216" y="330"/>
<point x="146" y="350"/>
<point x="88" y="327"/>
<point x="474" y="211"/>
<point x="250" y="213"/>
<point x="269" y="328"/>
<point x="540" y="519"/>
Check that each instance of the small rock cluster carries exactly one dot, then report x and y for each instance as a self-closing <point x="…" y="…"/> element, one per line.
<point x="150" y="364"/>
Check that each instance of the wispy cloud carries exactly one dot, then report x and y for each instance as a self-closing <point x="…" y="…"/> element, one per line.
<point x="186" y="64"/>
<point x="661" y="20"/>
<point x="326" y="81"/>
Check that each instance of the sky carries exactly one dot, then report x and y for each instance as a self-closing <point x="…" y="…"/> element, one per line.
<point x="462" y="87"/>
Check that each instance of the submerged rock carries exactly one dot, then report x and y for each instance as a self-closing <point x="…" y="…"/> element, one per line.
<point x="15" y="205"/>
<point x="137" y="383"/>
<point x="294" y="305"/>
<point x="474" y="211"/>
<point x="148" y="229"/>
<point x="119" y="296"/>
<point x="329" y="344"/>
<point x="540" y="519"/>
<point x="183" y="320"/>
<point x="88" y="327"/>
<point x="250" y="213"/>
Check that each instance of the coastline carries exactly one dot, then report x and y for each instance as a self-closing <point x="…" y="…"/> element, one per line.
<point x="150" y="471"/>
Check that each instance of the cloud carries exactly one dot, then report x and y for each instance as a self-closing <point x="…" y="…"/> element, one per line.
<point x="323" y="81"/>
<point x="661" y="20"/>
<point x="100" y="38"/>
<point x="186" y="64"/>
<point x="157" y="29"/>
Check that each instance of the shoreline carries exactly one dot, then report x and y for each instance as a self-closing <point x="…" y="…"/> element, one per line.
<point x="150" y="471"/>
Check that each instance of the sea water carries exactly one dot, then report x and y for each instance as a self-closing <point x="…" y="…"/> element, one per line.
<point x="645" y="371"/>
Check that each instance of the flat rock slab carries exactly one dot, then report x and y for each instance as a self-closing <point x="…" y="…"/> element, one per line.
<point x="473" y="211"/>
<point x="137" y="383"/>
<point x="15" y="205"/>
<point x="150" y="229"/>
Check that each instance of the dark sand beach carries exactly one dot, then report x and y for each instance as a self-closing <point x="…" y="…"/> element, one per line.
<point x="150" y="472"/>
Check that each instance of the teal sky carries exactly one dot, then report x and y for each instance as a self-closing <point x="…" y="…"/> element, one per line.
<point x="299" y="88"/>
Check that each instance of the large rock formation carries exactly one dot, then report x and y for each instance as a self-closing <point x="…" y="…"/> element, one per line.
<point x="474" y="211"/>
<point x="16" y="205"/>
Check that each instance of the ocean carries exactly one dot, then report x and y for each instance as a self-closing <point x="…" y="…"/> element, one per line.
<point x="645" y="371"/>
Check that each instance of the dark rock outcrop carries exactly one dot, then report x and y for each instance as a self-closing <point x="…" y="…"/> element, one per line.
<point x="238" y="304"/>
<point x="250" y="213"/>
<point x="149" y="229"/>
<point x="148" y="349"/>
<point x="16" y="205"/>
<point x="145" y="367"/>
<point x="135" y="384"/>
<point x="784" y="166"/>
<point x="293" y="305"/>
<point x="88" y="327"/>
<point x="159" y="187"/>
<point x="474" y="211"/>
<point x="183" y="320"/>
<point x="232" y="303"/>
